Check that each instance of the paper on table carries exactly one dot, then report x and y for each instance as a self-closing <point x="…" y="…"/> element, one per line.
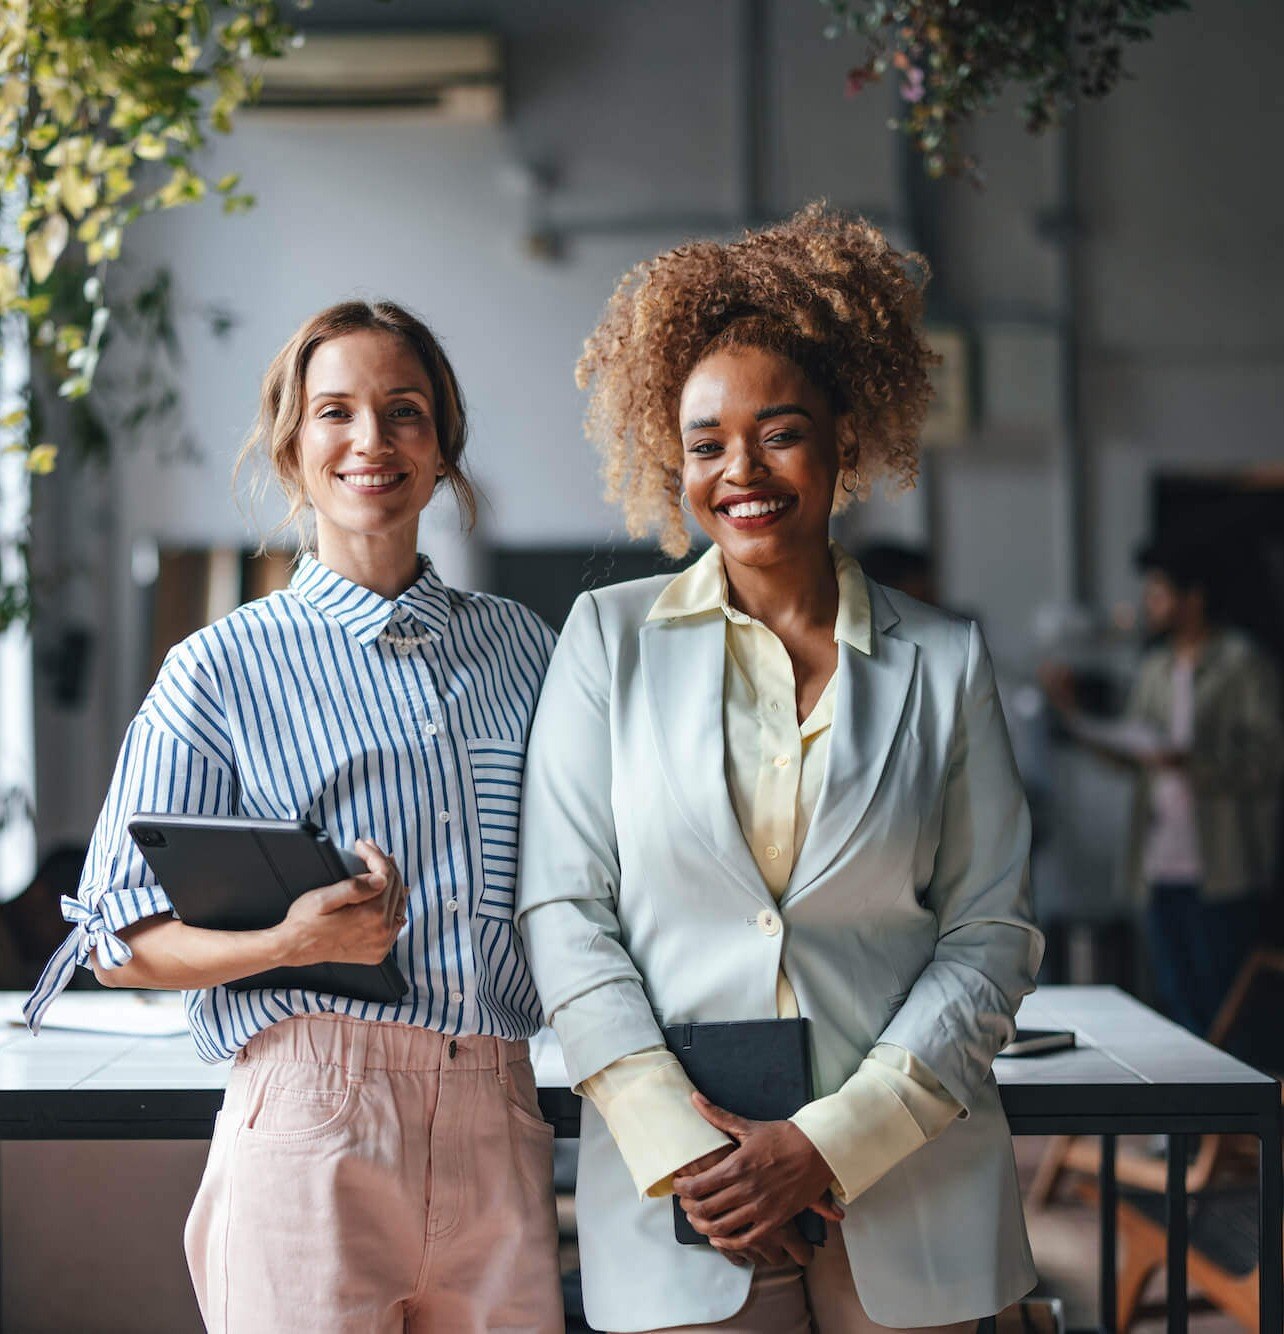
<point x="143" y="1014"/>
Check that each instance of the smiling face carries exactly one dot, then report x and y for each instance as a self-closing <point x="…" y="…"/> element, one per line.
<point x="368" y="453"/>
<point x="760" y="456"/>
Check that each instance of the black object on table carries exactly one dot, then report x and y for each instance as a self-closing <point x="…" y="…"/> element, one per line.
<point x="1131" y="1073"/>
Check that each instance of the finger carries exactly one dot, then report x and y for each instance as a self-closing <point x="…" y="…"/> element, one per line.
<point x="719" y="1203"/>
<point x="720" y="1176"/>
<point x="731" y="1224"/>
<point x="378" y="862"/>
<point x="395" y="899"/>
<point x="728" y="1122"/>
<point x="828" y="1209"/>
<point x="733" y="1257"/>
<point x="346" y="893"/>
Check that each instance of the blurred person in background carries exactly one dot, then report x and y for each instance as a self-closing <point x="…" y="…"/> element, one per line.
<point x="1202" y="731"/>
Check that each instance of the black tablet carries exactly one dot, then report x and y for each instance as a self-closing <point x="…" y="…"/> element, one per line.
<point x="233" y="874"/>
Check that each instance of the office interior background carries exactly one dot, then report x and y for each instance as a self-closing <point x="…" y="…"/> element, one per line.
<point x="1108" y="305"/>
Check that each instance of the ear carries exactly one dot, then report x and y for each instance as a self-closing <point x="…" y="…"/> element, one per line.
<point x="848" y="441"/>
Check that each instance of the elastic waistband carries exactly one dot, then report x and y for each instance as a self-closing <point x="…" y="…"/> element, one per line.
<point x="358" y="1045"/>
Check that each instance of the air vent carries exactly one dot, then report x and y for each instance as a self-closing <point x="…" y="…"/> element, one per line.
<point x="456" y="76"/>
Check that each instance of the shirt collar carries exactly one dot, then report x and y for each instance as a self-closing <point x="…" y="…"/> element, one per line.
<point x="703" y="588"/>
<point x="365" y="614"/>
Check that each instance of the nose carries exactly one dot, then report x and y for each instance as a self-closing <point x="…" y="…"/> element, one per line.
<point x="745" y="463"/>
<point x="368" y="434"/>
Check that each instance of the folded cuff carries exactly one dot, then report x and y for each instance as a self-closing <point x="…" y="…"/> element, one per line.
<point x="645" y="1101"/>
<point x="861" y="1132"/>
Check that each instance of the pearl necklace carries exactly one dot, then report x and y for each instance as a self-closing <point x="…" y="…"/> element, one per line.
<point x="406" y="644"/>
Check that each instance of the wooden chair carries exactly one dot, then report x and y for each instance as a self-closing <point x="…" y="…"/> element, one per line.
<point x="1222" y="1256"/>
<point x="1221" y="1262"/>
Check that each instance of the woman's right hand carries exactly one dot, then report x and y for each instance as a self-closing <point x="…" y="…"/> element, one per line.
<point x="786" y="1243"/>
<point x="353" y="921"/>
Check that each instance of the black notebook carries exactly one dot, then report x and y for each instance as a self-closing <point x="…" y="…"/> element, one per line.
<point x="757" y="1068"/>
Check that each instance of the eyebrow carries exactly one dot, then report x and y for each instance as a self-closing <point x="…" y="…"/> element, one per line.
<point x="762" y="415"/>
<point x="782" y="410"/>
<point x="339" y="393"/>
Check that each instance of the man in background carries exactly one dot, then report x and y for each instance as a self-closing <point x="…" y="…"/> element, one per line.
<point x="1203" y="733"/>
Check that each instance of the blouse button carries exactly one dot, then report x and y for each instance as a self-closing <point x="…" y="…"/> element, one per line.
<point x="781" y="761"/>
<point x="431" y="729"/>
<point x="772" y="852"/>
<point x="452" y="905"/>
<point x="456" y="996"/>
<point x="443" y="816"/>
<point x="768" y="923"/>
<point x="405" y="647"/>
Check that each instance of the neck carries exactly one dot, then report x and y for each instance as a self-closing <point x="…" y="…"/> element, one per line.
<point x="802" y="587"/>
<point x="386" y="564"/>
<point x="1189" y="640"/>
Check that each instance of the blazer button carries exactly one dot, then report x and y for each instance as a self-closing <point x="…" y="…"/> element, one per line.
<point x="768" y="923"/>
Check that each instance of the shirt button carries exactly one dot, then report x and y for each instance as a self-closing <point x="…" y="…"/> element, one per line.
<point x="405" y="647"/>
<point x="431" y="729"/>
<point x="772" y="852"/>
<point x="452" y="905"/>
<point x="443" y="816"/>
<point x="781" y="761"/>
<point x="768" y="923"/>
<point x="456" y="996"/>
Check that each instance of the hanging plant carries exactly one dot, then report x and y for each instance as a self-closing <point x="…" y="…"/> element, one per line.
<point x="104" y="108"/>
<point x="954" y="58"/>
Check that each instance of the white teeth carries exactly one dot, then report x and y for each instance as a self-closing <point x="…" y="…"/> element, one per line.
<point x="371" y="478"/>
<point x="754" y="509"/>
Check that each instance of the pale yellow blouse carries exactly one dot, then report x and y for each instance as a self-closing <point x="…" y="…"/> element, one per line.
<point x="892" y="1104"/>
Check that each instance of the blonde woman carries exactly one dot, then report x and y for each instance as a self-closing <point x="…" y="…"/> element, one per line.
<point x="767" y="788"/>
<point x="374" y="1167"/>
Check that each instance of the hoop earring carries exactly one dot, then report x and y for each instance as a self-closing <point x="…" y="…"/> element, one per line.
<point x="685" y="503"/>
<point x="854" y="475"/>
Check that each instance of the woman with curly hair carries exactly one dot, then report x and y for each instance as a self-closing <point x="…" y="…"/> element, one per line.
<point x="770" y="788"/>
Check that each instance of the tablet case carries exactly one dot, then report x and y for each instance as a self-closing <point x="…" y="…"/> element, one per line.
<point x="757" y="1068"/>
<point x="233" y="874"/>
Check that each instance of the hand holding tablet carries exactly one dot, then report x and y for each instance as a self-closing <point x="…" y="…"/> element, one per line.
<point x="237" y="874"/>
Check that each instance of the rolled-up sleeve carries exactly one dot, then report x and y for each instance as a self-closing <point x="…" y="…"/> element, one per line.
<point x="961" y="1011"/>
<point x="569" y="872"/>
<point x="175" y="759"/>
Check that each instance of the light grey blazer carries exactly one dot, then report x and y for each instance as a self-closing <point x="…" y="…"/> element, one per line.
<point x="907" y="920"/>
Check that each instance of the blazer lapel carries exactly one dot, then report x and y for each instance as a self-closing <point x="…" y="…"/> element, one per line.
<point x="683" y="662"/>
<point x="872" y="691"/>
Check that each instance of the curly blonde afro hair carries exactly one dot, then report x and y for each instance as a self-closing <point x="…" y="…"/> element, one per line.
<point x="822" y="289"/>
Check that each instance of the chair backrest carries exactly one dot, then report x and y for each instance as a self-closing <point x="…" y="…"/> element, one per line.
<point x="1250" y="1024"/>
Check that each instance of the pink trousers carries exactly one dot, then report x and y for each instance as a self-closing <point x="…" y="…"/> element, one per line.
<point x="374" y="1178"/>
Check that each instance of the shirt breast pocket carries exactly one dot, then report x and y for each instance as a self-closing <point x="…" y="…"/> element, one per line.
<point x="497" y="786"/>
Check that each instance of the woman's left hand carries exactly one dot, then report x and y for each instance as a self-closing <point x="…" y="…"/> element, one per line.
<point x="773" y="1174"/>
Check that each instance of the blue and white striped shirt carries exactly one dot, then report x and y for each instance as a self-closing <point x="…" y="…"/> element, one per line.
<point x="305" y="705"/>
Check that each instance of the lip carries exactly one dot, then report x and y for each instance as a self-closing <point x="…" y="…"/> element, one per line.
<point x="757" y="521"/>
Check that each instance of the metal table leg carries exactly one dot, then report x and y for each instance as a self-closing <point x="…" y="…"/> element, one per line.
<point x="1109" y="1220"/>
<point x="1270" y="1243"/>
<point x="1177" y="1233"/>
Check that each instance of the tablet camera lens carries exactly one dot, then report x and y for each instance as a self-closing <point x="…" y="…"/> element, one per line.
<point x="152" y="838"/>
